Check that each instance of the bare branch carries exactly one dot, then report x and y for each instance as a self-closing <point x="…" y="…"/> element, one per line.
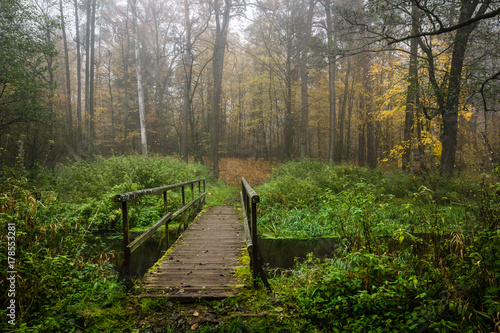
<point x="495" y="76"/>
<point x="457" y="26"/>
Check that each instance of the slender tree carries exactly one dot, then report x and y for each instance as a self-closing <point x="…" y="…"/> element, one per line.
<point x="91" y="92"/>
<point x="331" y="80"/>
<point x="304" y="78"/>
<point x="69" y="113"/>
<point x="79" y="137"/>
<point x="140" y="90"/>
<point x="222" y="16"/>
<point x="411" y="94"/>
<point x="188" y="71"/>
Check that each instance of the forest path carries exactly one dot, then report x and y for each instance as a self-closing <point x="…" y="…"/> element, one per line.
<point x="203" y="261"/>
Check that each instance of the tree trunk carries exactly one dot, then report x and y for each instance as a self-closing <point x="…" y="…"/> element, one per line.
<point x="361" y="145"/>
<point x="161" y="124"/>
<point x="349" y="122"/>
<point x="288" y="123"/>
<point x="87" y="72"/>
<point x="340" y="140"/>
<point x="371" y="143"/>
<point x="188" y="64"/>
<point x="448" y="98"/>
<point x="366" y="106"/>
<point x="111" y="103"/>
<point x="140" y="90"/>
<point x="304" y="114"/>
<point x="217" y="70"/>
<point x="78" y="82"/>
<point x="92" y="130"/>
<point x="331" y="80"/>
<point x="68" y="78"/>
<point x="411" y="94"/>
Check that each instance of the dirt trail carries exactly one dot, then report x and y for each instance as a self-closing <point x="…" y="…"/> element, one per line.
<point x="256" y="172"/>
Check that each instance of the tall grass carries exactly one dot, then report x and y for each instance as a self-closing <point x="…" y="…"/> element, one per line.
<point x="315" y="199"/>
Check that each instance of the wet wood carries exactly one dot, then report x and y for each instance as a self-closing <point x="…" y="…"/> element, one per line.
<point x="123" y="197"/>
<point x="249" y="200"/>
<point x="202" y="262"/>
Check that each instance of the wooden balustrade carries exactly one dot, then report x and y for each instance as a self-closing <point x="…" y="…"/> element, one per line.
<point x="124" y="198"/>
<point x="249" y="200"/>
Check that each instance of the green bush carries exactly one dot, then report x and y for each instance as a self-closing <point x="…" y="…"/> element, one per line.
<point x="361" y="291"/>
<point x="102" y="178"/>
<point x="90" y="186"/>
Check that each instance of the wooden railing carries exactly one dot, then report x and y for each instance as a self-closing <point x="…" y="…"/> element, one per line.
<point x="124" y="198"/>
<point x="249" y="200"/>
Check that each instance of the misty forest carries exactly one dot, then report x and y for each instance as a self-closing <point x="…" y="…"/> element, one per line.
<point x="371" y="126"/>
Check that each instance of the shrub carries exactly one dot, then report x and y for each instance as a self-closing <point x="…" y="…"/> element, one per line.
<point x="90" y="186"/>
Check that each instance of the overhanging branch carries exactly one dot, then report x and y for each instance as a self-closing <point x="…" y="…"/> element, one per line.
<point x="443" y="30"/>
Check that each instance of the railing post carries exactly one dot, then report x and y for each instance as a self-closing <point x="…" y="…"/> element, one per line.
<point x="250" y="200"/>
<point x="204" y="190"/>
<point x="183" y="196"/>
<point x="192" y="198"/>
<point x="256" y="263"/>
<point x="165" y="204"/>
<point x="184" y="204"/>
<point x="126" y="241"/>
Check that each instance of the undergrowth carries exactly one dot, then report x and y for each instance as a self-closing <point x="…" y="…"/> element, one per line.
<point x="90" y="186"/>
<point x="56" y="288"/>
<point x="412" y="254"/>
<point x="309" y="199"/>
<point x="60" y="287"/>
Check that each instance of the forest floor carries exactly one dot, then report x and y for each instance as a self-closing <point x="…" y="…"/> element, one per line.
<point x="212" y="316"/>
<point x="255" y="172"/>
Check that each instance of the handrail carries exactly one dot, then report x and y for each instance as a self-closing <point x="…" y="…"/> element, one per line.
<point x="124" y="198"/>
<point x="249" y="200"/>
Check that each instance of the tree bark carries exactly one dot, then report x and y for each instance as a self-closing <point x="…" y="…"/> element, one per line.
<point x="140" y="90"/>
<point x="304" y="114"/>
<point x="331" y="80"/>
<point x="368" y="142"/>
<point x="87" y="72"/>
<point x="68" y="77"/>
<point x="188" y="65"/>
<point x="411" y="94"/>
<point x="288" y="121"/>
<point x="78" y="82"/>
<point x="221" y="28"/>
<point x="340" y="140"/>
<point x="92" y="130"/>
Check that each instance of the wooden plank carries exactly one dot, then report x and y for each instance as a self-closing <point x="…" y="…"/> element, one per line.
<point x="123" y="197"/>
<point x="203" y="261"/>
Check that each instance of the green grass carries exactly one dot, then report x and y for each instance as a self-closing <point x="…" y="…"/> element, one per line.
<point x="313" y="199"/>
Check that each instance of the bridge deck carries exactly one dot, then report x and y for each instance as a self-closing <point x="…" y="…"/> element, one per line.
<point x="202" y="262"/>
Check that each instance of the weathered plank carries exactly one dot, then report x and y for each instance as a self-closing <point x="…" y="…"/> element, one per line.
<point x="202" y="262"/>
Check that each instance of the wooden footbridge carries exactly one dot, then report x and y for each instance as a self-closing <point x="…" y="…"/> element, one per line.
<point x="202" y="262"/>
